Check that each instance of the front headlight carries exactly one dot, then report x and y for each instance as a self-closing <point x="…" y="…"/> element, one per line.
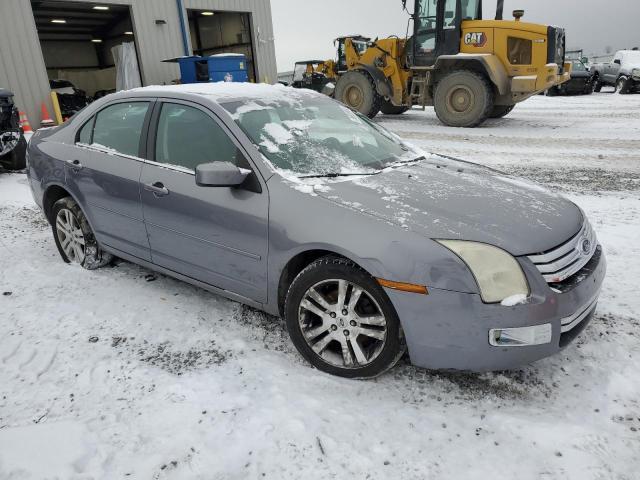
<point x="497" y="273"/>
<point x="635" y="73"/>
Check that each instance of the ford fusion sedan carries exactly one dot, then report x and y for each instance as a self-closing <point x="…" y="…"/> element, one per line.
<point x="287" y="201"/>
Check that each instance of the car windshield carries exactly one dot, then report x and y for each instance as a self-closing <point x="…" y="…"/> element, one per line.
<point x="578" y="66"/>
<point x="317" y="136"/>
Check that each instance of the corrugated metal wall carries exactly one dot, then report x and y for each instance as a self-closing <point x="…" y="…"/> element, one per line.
<point x="22" y="68"/>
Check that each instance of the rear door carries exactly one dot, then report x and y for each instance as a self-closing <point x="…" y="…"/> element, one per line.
<point x="104" y="170"/>
<point x="217" y="235"/>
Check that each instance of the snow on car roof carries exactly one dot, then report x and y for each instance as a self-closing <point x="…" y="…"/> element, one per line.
<point x="226" y="91"/>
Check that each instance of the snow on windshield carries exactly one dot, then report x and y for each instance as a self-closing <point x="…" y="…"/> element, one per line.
<point x="313" y="135"/>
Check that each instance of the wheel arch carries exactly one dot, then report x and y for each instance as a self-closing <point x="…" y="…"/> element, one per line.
<point x="302" y="260"/>
<point x="487" y="65"/>
<point x="383" y="87"/>
<point x="52" y="194"/>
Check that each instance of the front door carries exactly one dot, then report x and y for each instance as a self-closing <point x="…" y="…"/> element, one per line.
<point x="437" y="30"/>
<point x="103" y="173"/>
<point x="217" y="235"/>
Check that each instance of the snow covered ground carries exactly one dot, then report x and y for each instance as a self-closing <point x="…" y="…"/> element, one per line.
<point x="123" y="373"/>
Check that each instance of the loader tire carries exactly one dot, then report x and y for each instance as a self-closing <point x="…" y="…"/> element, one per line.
<point x="389" y="108"/>
<point x="463" y="99"/>
<point x="358" y="92"/>
<point x="500" y="111"/>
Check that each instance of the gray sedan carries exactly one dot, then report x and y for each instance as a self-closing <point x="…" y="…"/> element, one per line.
<point x="287" y="201"/>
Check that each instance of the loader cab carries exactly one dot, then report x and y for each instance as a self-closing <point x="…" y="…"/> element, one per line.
<point x="437" y="28"/>
<point x="360" y="43"/>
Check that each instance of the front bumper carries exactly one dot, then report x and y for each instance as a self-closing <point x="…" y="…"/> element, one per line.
<point x="451" y="330"/>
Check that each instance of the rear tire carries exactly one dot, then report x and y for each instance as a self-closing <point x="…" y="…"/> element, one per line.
<point x="358" y="92"/>
<point x="597" y="86"/>
<point x="389" y="108"/>
<point x="500" y="111"/>
<point x="74" y="238"/>
<point x="353" y="334"/>
<point x="16" y="159"/>
<point x="463" y="99"/>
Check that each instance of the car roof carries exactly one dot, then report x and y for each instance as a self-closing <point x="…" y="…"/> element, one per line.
<point x="5" y="93"/>
<point x="224" y="92"/>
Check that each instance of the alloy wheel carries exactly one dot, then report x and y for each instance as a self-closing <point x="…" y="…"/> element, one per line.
<point x="342" y="323"/>
<point x="70" y="236"/>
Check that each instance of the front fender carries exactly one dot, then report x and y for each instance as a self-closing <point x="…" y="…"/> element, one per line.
<point x="382" y="83"/>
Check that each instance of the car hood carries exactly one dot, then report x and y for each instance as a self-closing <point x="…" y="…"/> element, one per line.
<point x="442" y="198"/>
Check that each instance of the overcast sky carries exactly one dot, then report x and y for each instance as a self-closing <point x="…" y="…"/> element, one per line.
<point x="305" y="30"/>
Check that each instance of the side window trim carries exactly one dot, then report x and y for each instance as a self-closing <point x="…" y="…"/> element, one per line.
<point x="91" y="121"/>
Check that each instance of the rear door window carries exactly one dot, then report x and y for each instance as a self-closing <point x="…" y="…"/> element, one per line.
<point x="119" y="127"/>
<point x="84" y="136"/>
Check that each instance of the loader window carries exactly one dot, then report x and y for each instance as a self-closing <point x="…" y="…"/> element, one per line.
<point x="427" y="26"/>
<point x="519" y="51"/>
<point x="471" y="10"/>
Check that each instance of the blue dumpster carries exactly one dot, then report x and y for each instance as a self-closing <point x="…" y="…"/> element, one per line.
<point x="228" y="67"/>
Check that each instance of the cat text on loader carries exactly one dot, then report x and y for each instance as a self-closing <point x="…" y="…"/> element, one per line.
<point x="469" y="69"/>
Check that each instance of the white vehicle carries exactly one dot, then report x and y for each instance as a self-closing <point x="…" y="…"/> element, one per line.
<point x="623" y="72"/>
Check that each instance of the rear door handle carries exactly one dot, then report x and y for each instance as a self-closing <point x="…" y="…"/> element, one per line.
<point x="158" y="189"/>
<point x="75" y="165"/>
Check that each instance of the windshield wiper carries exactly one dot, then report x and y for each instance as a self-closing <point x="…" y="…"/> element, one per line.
<point x="336" y="175"/>
<point x="399" y="163"/>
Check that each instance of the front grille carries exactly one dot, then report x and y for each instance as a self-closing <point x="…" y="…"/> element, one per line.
<point x="556" y="47"/>
<point x="569" y="258"/>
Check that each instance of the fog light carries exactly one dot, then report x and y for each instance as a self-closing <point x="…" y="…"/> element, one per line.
<point x="520" y="337"/>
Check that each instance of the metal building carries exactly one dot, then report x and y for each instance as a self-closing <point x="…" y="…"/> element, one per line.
<point x="43" y="40"/>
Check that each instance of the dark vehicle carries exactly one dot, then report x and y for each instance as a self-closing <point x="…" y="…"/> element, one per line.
<point x="622" y="73"/>
<point x="581" y="82"/>
<point x="71" y="99"/>
<point x="290" y="202"/>
<point x="12" y="142"/>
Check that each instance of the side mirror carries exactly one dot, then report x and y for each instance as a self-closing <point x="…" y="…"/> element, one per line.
<point x="220" y="174"/>
<point x="617" y="61"/>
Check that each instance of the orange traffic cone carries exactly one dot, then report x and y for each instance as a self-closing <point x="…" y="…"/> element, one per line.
<point x="46" y="118"/>
<point x="24" y="123"/>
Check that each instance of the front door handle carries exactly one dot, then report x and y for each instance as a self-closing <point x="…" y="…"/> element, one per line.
<point x="158" y="189"/>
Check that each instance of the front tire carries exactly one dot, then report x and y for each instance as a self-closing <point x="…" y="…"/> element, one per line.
<point x="74" y="238"/>
<point x="341" y="320"/>
<point x="621" y="85"/>
<point x="463" y="99"/>
<point x="500" y="111"/>
<point x="358" y="92"/>
<point x="16" y="159"/>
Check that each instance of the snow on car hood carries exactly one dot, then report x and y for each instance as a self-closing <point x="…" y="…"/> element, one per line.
<point x="445" y="199"/>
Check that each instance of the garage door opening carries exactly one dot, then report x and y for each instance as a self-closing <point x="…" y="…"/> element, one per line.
<point x="78" y="41"/>
<point x="215" y="32"/>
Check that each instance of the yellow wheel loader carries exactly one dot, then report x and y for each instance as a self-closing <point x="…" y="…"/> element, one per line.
<point x="467" y="68"/>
